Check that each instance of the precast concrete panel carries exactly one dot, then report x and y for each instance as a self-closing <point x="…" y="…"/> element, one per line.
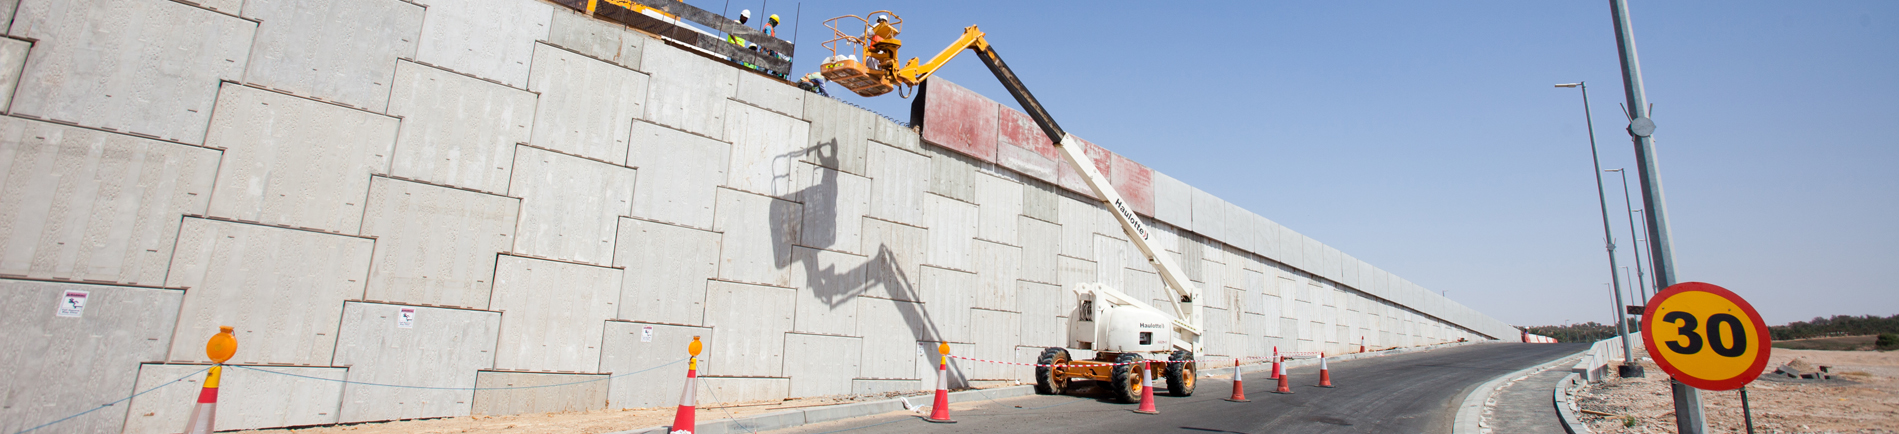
<point x="1272" y="307"/>
<point x="596" y="38"/>
<point x="840" y="135"/>
<point x="437" y="348"/>
<point x="1266" y="235"/>
<point x="1135" y="183"/>
<point x="342" y="51"/>
<point x="998" y="268"/>
<point x="82" y="204"/>
<point x="688" y="91"/>
<point x="996" y="334"/>
<point x="771" y="94"/>
<point x="251" y="398"/>
<point x="1149" y="284"/>
<point x="891" y="329"/>
<point x="1238" y="229"/>
<point x="119" y="327"/>
<point x="766" y="147"/>
<point x="1334" y="265"/>
<point x="680" y="174"/>
<point x="536" y="392"/>
<point x="1314" y="258"/>
<point x="1253" y="290"/>
<point x="457" y="130"/>
<point x="1173" y="201"/>
<point x="553" y="314"/>
<point x="1213" y="276"/>
<point x="492" y="39"/>
<point x="1111" y="257"/>
<point x="1135" y="260"/>
<point x="751" y="320"/>
<point x="1041" y="243"/>
<point x="896" y="254"/>
<point x="570" y="206"/>
<point x="821" y="365"/>
<point x="1042" y="307"/>
<point x="12" y="57"/>
<point x="759" y="232"/>
<point x="1039" y="200"/>
<point x="896" y="134"/>
<point x="898" y="181"/>
<point x="1078" y="227"/>
<point x="666" y="271"/>
<point x="743" y="389"/>
<point x="145" y="76"/>
<point x="1074" y="272"/>
<point x="947" y="297"/>
<point x="952" y="226"/>
<point x="1191" y="256"/>
<point x="959" y="119"/>
<point x="830" y="284"/>
<point x="1000" y="208"/>
<point x="1291" y="248"/>
<point x="1348" y="270"/>
<point x="952" y="174"/>
<point x="1023" y="147"/>
<point x="586" y="106"/>
<point x="1209" y="215"/>
<point x="282" y="289"/>
<point x="435" y="245"/>
<point x="834" y="205"/>
<point x="295" y="161"/>
<point x="634" y="351"/>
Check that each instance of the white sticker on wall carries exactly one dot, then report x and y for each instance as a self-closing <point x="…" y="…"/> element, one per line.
<point x="406" y="319"/>
<point x="73" y="304"/>
<point x="646" y="334"/>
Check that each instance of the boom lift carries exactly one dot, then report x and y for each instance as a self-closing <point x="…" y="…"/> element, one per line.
<point x="1111" y="329"/>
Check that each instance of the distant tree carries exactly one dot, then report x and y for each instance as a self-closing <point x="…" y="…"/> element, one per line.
<point x="1887" y="342"/>
<point x="1838" y="325"/>
<point x="1585" y="332"/>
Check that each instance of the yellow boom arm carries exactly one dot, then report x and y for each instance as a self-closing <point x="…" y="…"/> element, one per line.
<point x="913" y="74"/>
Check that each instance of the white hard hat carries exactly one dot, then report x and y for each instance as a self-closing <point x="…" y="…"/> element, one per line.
<point x="745" y="13"/>
<point x="882" y="18"/>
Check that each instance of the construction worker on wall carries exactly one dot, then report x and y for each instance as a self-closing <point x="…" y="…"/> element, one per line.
<point x="771" y="26"/>
<point x="743" y="16"/>
<point x="813" y="82"/>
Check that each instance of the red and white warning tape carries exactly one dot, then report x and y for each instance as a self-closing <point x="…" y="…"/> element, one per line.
<point x="1206" y="360"/>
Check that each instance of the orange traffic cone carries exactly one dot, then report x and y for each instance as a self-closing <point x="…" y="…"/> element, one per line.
<point x="1147" y="390"/>
<point x="1285" y="381"/>
<point x="1239" y="391"/>
<point x="220" y="348"/>
<point x="1361" y="344"/>
<point x="685" y="419"/>
<point x="1325" y="375"/>
<point x="939" y="412"/>
<point x="1275" y="371"/>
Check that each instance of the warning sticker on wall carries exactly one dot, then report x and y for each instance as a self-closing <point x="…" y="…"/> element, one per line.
<point x="73" y="304"/>
<point x="406" y="318"/>
<point x="646" y="334"/>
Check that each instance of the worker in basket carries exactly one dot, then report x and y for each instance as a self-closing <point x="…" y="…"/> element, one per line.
<point x="882" y="52"/>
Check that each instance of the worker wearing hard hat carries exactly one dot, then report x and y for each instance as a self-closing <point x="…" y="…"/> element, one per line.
<point x="882" y="43"/>
<point x="771" y="26"/>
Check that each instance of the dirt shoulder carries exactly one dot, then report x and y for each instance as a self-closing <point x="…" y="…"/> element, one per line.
<point x="1863" y="397"/>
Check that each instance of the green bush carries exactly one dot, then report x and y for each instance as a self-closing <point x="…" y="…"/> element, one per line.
<point x="1887" y="342"/>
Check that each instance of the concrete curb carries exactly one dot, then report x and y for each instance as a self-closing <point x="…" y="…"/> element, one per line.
<point x="803" y="416"/>
<point x="1470" y="414"/>
<point x="1560" y="398"/>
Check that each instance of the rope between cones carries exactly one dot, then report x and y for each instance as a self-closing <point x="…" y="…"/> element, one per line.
<point x="1100" y="364"/>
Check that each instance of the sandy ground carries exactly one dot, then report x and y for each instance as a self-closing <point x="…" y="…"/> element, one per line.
<point x="1863" y="397"/>
<point x="590" y="422"/>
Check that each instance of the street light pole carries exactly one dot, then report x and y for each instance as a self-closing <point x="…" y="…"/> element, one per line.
<point x="1643" y="285"/>
<point x="1689" y="418"/>
<point x="1621" y="327"/>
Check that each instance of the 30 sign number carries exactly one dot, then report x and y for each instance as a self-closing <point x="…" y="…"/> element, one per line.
<point x="1725" y="335"/>
<point x="1705" y="336"/>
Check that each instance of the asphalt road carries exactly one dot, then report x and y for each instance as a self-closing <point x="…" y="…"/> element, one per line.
<point x="1407" y="393"/>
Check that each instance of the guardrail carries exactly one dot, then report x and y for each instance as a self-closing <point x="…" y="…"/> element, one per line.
<point x="1594" y="366"/>
<point x="629" y="13"/>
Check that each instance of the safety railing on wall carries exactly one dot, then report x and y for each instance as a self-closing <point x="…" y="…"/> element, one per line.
<point x="772" y="55"/>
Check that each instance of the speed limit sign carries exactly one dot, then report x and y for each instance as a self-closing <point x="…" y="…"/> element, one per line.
<point x="1705" y="336"/>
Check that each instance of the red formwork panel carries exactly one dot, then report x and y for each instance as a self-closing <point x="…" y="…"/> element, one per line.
<point x="1021" y="146"/>
<point x="1135" y="183"/>
<point x="1070" y="179"/>
<point x="956" y="118"/>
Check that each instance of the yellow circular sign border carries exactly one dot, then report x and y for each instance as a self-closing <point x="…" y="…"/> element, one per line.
<point x="1753" y="371"/>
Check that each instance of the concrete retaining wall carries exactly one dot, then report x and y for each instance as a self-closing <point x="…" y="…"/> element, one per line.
<point x="556" y="200"/>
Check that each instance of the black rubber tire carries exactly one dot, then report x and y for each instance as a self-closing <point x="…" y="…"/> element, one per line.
<point x="1182" y="376"/>
<point x="1051" y="381"/>
<point x="1127" y="379"/>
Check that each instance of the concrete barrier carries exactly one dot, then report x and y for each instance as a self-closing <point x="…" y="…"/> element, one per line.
<point x="1594" y="366"/>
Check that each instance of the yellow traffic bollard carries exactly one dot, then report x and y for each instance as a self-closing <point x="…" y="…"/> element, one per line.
<point x="220" y="348"/>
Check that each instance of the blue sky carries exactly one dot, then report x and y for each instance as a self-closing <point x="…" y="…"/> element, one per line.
<point x="1426" y="138"/>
